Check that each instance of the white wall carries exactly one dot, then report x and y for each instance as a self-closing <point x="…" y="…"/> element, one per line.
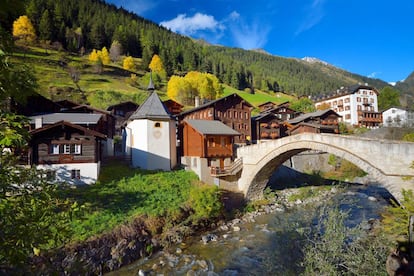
<point x="151" y="147"/>
<point x="89" y="172"/>
<point x="394" y="117"/>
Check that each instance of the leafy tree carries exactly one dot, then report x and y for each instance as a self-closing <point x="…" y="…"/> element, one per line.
<point x="409" y="137"/>
<point x="179" y="89"/>
<point x="93" y="56"/>
<point x="115" y="51"/>
<point x="128" y="63"/>
<point x="323" y="106"/>
<point x="303" y="104"/>
<point x="104" y="56"/>
<point x="388" y="97"/>
<point x="156" y="65"/>
<point x="32" y="217"/>
<point x="23" y="30"/>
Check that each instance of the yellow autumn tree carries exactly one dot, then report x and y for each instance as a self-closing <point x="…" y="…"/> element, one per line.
<point x="104" y="55"/>
<point x="179" y="89"/>
<point x="93" y="56"/>
<point x="23" y="29"/>
<point x="156" y="66"/>
<point x="128" y="63"/>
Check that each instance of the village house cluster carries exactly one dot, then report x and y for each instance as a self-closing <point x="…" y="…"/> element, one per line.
<point x="70" y="141"/>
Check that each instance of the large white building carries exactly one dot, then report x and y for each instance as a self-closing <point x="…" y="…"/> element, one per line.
<point x="398" y="117"/>
<point x="357" y="104"/>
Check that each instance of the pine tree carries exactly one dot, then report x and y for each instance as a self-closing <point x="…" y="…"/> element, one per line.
<point x="45" y="26"/>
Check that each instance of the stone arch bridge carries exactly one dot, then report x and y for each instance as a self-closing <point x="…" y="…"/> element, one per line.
<point x="387" y="161"/>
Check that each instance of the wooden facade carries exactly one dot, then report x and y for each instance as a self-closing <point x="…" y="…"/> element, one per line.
<point x="63" y="143"/>
<point x="266" y="106"/>
<point x="267" y="126"/>
<point x="231" y="110"/>
<point x="206" y="145"/>
<point x="173" y="107"/>
<point x="322" y="121"/>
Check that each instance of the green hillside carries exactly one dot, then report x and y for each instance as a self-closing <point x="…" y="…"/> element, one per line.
<point x="80" y="26"/>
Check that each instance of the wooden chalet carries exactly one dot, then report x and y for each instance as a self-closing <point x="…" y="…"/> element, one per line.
<point x="231" y="110"/>
<point x="93" y="121"/>
<point x="70" y="152"/>
<point x="173" y="107"/>
<point x="122" y="112"/>
<point x="208" y="148"/>
<point x="267" y="126"/>
<point x="321" y="121"/>
<point x="208" y="139"/>
<point x="266" y="106"/>
<point x="284" y="112"/>
<point x="34" y="104"/>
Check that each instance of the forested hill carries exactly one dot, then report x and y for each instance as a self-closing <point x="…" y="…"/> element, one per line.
<point x="79" y="26"/>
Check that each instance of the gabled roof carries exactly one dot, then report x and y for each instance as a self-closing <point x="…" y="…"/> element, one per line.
<point x="310" y="115"/>
<point x="264" y="115"/>
<point x="74" y="118"/>
<point x="347" y="90"/>
<point x="120" y="105"/>
<point x="152" y="108"/>
<point x="208" y="127"/>
<point x="211" y="103"/>
<point x="62" y="124"/>
<point x="265" y="103"/>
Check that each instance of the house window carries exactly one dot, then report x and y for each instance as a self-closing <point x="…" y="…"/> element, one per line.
<point x="347" y="107"/>
<point x="359" y="107"/>
<point x="211" y="142"/>
<point x="246" y="115"/>
<point x="157" y="124"/>
<point x="75" y="174"/>
<point x="66" y="149"/>
<point x="358" y="99"/>
<point x="235" y="114"/>
<point x="54" y="149"/>
<point x="346" y="100"/>
<point x="347" y="116"/>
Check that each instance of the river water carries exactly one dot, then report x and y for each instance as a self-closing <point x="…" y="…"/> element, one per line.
<point x="268" y="244"/>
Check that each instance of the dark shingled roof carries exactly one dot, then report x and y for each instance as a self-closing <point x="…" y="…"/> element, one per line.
<point x="305" y="116"/>
<point x="211" y="127"/>
<point x="152" y="108"/>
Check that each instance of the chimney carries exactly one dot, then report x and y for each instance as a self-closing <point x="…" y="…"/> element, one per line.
<point x="38" y="122"/>
<point x="196" y="101"/>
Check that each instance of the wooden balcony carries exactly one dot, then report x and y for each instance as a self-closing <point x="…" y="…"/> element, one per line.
<point x="234" y="168"/>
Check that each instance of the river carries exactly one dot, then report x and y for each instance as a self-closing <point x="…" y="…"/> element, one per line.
<point x="267" y="244"/>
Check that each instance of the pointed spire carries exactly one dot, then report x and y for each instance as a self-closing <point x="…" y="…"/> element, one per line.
<point x="151" y="86"/>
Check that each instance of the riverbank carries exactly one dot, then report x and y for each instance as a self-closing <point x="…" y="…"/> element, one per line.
<point x="181" y="260"/>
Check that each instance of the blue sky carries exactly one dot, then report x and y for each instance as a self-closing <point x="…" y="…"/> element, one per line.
<point x="373" y="38"/>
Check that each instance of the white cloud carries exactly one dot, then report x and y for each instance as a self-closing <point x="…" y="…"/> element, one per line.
<point x="191" y="25"/>
<point x="374" y="74"/>
<point x="248" y="35"/>
<point x="314" y="14"/>
<point x="234" y="15"/>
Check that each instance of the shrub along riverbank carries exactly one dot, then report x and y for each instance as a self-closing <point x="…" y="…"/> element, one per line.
<point x="127" y="215"/>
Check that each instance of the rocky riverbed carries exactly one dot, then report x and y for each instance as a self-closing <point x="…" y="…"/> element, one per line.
<point x="252" y="242"/>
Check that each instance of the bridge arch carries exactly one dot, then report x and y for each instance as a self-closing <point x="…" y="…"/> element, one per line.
<point x="260" y="161"/>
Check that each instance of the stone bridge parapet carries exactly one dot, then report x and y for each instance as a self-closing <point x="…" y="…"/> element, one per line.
<point x="388" y="161"/>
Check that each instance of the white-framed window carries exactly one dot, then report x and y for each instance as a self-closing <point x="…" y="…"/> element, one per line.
<point x="54" y="149"/>
<point x="66" y="148"/>
<point x="75" y="174"/>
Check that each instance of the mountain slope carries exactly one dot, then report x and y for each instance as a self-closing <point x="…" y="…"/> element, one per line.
<point x="87" y="24"/>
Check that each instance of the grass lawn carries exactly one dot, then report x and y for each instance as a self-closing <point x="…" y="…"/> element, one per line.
<point x="123" y="193"/>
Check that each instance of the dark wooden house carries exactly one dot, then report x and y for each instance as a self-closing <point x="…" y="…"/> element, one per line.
<point x="267" y="126"/>
<point x="122" y="112"/>
<point x="231" y="110"/>
<point x="173" y="107"/>
<point x="71" y="152"/>
<point x="266" y="106"/>
<point x="321" y="121"/>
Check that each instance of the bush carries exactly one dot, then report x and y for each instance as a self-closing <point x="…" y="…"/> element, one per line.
<point x="205" y="201"/>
